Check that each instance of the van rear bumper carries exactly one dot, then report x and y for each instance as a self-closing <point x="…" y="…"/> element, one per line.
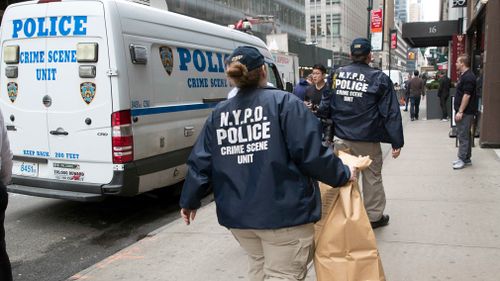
<point x="53" y="193"/>
<point x="123" y="183"/>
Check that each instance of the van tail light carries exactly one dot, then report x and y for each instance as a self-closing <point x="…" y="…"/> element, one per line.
<point x="122" y="137"/>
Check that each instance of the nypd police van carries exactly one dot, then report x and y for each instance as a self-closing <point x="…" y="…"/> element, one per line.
<point x="106" y="97"/>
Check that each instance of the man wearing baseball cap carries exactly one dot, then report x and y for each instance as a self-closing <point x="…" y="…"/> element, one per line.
<point x="365" y="112"/>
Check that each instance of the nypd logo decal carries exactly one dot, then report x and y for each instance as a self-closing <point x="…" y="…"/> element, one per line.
<point x="12" y="91"/>
<point x="167" y="59"/>
<point x="87" y="90"/>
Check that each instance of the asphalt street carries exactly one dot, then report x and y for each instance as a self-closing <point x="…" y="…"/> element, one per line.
<point x="50" y="240"/>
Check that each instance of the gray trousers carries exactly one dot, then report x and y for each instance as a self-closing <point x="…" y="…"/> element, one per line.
<point x="464" y="137"/>
<point x="373" y="188"/>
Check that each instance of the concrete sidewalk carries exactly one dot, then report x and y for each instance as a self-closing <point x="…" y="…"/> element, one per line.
<point x="445" y="224"/>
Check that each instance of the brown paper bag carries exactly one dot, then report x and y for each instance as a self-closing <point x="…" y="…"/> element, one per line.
<point x="346" y="249"/>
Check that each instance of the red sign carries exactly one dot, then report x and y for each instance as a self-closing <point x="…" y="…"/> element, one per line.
<point x="377" y="21"/>
<point x="394" y="39"/>
<point x="457" y="49"/>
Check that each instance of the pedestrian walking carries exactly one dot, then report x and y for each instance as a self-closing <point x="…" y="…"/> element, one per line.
<point x="301" y="88"/>
<point x="406" y="94"/>
<point x="5" y="176"/>
<point x="263" y="171"/>
<point x="465" y="106"/>
<point x="314" y="93"/>
<point x="444" y="94"/>
<point x="365" y="112"/>
<point x="417" y="91"/>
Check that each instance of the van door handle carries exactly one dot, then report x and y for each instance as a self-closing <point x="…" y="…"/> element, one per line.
<point x="59" y="132"/>
<point x="188" y="131"/>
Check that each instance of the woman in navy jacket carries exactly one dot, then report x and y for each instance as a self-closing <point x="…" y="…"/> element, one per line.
<point x="262" y="152"/>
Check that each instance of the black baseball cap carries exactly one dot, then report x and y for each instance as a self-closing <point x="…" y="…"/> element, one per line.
<point x="361" y="46"/>
<point x="248" y="56"/>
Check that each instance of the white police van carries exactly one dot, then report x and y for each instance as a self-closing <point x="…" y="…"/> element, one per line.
<point x="106" y="97"/>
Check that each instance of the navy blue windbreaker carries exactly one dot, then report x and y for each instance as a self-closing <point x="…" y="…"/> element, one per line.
<point x="363" y="106"/>
<point x="262" y="152"/>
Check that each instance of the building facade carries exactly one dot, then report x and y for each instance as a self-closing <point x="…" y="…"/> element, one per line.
<point x="333" y="24"/>
<point x="480" y="23"/>
<point x="401" y="10"/>
<point x="287" y="15"/>
<point x="482" y="45"/>
<point x="281" y="17"/>
<point x="399" y="55"/>
<point x="415" y="10"/>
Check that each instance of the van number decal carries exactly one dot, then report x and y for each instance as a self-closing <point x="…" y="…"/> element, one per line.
<point x="139" y="104"/>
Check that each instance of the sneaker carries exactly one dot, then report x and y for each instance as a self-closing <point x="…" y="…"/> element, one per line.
<point x="413" y="119"/>
<point x="444" y="120"/>
<point x="466" y="162"/>
<point x="459" y="164"/>
<point x="383" y="221"/>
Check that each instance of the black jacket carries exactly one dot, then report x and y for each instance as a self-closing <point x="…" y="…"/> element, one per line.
<point x="444" y="87"/>
<point x="262" y="152"/>
<point x="363" y="106"/>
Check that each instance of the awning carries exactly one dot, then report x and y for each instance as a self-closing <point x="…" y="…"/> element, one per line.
<point x="430" y="34"/>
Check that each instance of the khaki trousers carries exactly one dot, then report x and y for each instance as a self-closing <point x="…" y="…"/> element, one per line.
<point x="277" y="254"/>
<point x="373" y="188"/>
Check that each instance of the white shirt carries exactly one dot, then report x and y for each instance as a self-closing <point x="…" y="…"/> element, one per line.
<point x="5" y="154"/>
<point x="235" y="90"/>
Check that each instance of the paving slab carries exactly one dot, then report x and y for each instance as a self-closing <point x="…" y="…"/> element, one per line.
<point x="444" y="224"/>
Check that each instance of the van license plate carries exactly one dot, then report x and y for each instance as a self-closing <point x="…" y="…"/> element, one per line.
<point x="28" y="169"/>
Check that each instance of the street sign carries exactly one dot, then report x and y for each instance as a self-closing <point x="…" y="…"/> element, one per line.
<point x="411" y="55"/>
<point x="377" y="29"/>
<point x="377" y="23"/>
<point x="459" y="3"/>
<point x="377" y="41"/>
<point x="394" y="39"/>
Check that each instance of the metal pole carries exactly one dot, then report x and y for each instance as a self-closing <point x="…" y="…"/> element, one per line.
<point x="369" y="8"/>
<point x="389" y="60"/>
<point x="390" y="48"/>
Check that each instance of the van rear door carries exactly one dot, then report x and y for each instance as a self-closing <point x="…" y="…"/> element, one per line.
<point x="58" y="109"/>
<point x="22" y="94"/>
<point x="79" y="118"/>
